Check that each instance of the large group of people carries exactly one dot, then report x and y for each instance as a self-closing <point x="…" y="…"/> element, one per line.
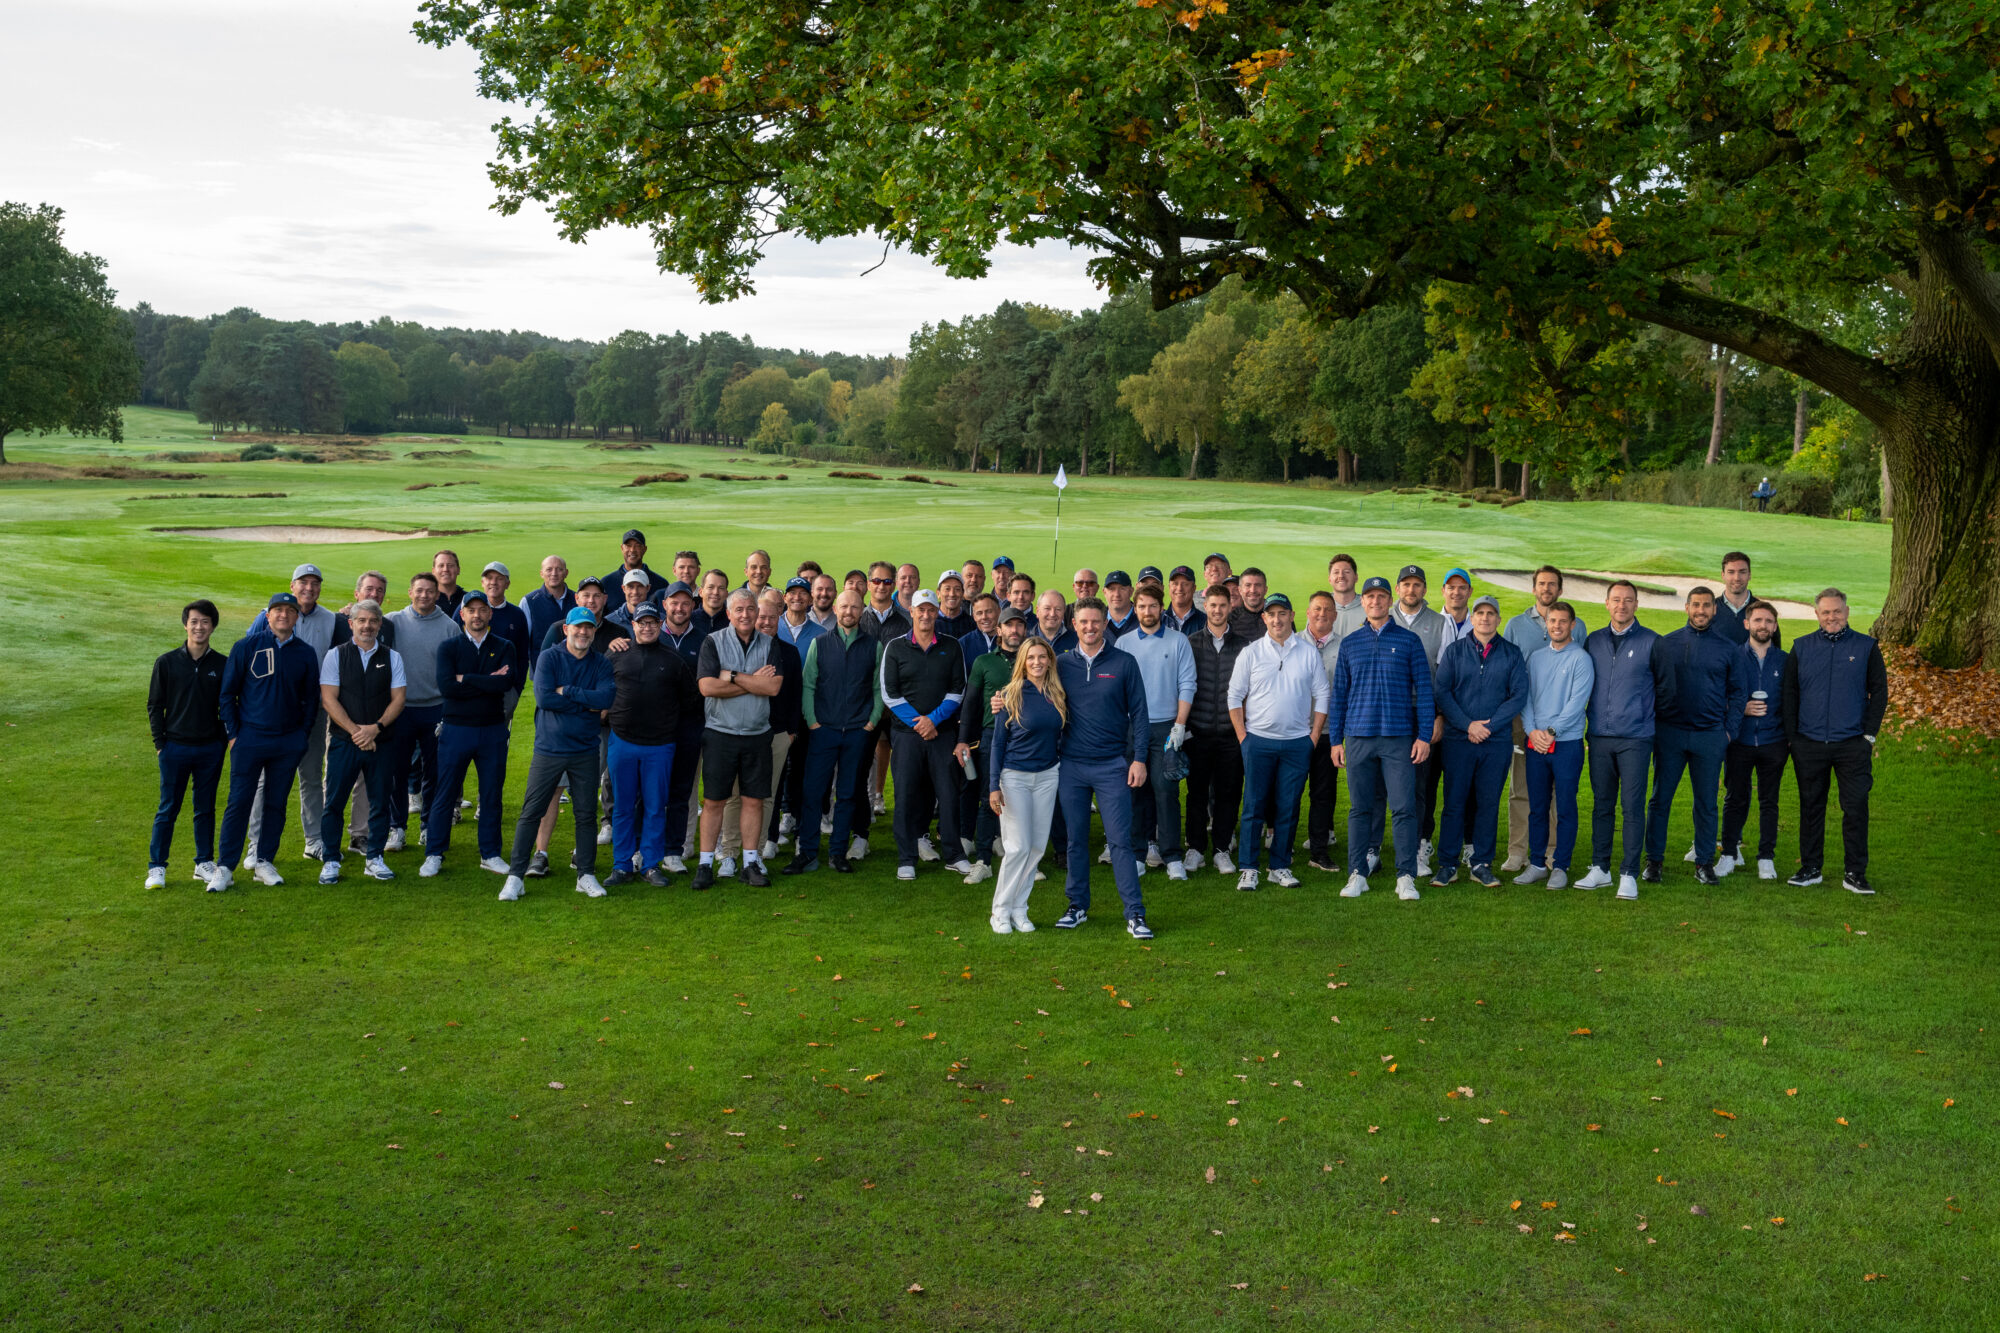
<point x="1193" y="714"/>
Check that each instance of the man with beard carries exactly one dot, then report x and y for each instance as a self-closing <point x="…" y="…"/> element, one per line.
<point x="1702" y="681"/>
<point x="1758" y="753"/>
<point x="842" y="710"/>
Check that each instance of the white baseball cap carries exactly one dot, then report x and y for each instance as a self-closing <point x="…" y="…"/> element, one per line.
<point x="923" y="597"/>
<point x="637" y="576"/>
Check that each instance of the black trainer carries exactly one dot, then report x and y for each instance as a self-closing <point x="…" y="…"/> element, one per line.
<point x="754" y="876"/>
<point x="841" y="865"/>
<point x="619" y="876"/>
<point x="704" y="876"/>
<point x="1705" y="874"/>
<point x="655" y="877"/>
<point x="1806" y="877"/>
<point x="801" y="865"/>
<point x="1856" y="882"/>
<point x="1651" y="874"/>
<point x="538" y="866"/>
<point x="1071" y="919"/>
<point x="1323" y="860"/>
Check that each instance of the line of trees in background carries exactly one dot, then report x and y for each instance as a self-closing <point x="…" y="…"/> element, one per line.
<point x="1226" y="386"/>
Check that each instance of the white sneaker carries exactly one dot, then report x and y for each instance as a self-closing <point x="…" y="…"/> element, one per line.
<point x="965" y="845"/>
<point x="926" y="852"/>
<point x="979" y="873"/>
<point x="268" y="874"/>
<point x="1628" y="888"/>
<point x="1558" y="879"/>
<point x="220" y="881"/>
<point x="1177" y="871"/>
<point x="1192" y="861"/>
<point x="673" y="865"/>
<point x="1532" y="875"/>
<point x="315" y="850"/>
<point x="825" y="826"/>
<point x="203" y="870"/>
<point x="1139" y="868"/>
<point x="1690" y="853"/>
<point x="1247" y="882"/>
<point x="250" y="859"/>
<point x="906" y="872"/>
<point x="432" y="867"/>
<point x="961" y="867"/>
<point x="1406" y="889"/>
<point x="588" y="886"/>
<point x="878" y="805"/>
<point x="1001" y="925"/>
<point x="513" y="890"/>
<point x="1104" y="857"/>
<point x="1022" y="925"/>
<point x="396" y="841"/>
<point x="329" y="873"/>
<point x="1510" y="865"/>
<point x="857" y="849"/>
<point x="377" y="868"/>
<point x="1374" y="862"/>
<point x="1357" y="884"/>
<point x="1465" y="856"/>
<point x="1270" y="834"/>
<point x="1040" y="875"/>
<point x="604" y="834"/>
<point x="1598" y="878"/>
<point x="1724" y="865"/>
<point x="156" y="877"/>
<point x="1424" y="851"/>
<point x="496" y="864"/>
<point x="1223" y="865"/>
<point x="770" y="851"/>
<point x="725" y="868"/>
<point x="1767" y="869"/>
<point x="1153" y="857"/>
<point x="787" y="825"/>
<point x="1284" y="879"/>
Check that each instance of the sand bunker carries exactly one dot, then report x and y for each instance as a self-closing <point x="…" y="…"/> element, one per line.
<point x="301" y="535"/>
<point x="1591" y="585"/>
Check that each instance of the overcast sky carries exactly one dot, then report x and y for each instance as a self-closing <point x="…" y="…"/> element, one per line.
<point x="310" y="159"/>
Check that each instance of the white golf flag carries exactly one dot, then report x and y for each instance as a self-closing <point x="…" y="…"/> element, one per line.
<point x="1062" y="478"/>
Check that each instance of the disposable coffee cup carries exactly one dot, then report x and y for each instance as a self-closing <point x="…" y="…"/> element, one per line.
<point x="1760" y="695"/>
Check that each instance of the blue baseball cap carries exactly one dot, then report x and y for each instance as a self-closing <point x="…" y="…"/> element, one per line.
<point x="579" y="615"/>
<point x="474" y="595"/>
<point x="1277" y="599"/>
<point x="1149" y="574"/>
<point x="1003" y="562"/>
<point x="1215" y="555"/>
<point x="678" y="588"/>
<point x="282" y="599"/>
<point x="1376" y="584"/>
<point x="1181" y="572"/>
<point x="796" y="581"/>
<point x="1458" y="574"/>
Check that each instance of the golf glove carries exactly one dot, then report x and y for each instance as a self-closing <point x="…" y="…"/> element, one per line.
<point x="1177" y="737"/>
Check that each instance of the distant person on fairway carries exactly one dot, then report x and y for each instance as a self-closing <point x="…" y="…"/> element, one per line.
<point x="362" y="686"/>
<point x="573" y="688"/>
<point x="1836" y="691"/>
<point x="1762" y="495"/>
<point x="1621" y="728"/>
<point x="184" y="711"/>
<point x="270" y="696"/>
<point x="1759" y="751"/>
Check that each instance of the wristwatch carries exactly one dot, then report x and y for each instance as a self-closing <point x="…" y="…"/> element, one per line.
<point x="728" y="676"/>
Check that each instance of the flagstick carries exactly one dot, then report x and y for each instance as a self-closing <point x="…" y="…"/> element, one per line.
<point x="1054" y="563"/>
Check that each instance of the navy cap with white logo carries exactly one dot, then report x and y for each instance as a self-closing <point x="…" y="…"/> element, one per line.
<point x="1412" y="572"/>
<point x="1181" y="572"/>
<point x="646" y="611"/>
<point x="590" y="581"/>
<point x="474" y="595"/>
<point x="282" y="599"/>
<point x="1376" y="584"/>
<point x="796" y="581"/>
<point x="1117" y="578"/>
<point x="1277" y="599"/>
<point x="633" y="535"/>
<point x="1149" y="573"/>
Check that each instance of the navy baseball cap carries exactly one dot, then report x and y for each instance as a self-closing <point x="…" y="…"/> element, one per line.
<point x="796" y="581"/>
<point x="1277" y="599"/>
<point x="1413" y="572"/>
<point x="1002" y="562"/>
<point x="678" y="588"/>
<point x="474" y="595"/>
<point x="282" y="599"/>
<point x="1117" y="578"/>
<point x="633" y="535"/>
<point x="1456" y="573"/>
<point x="646" y="611"/>
<point x="1181" y="572"/>
<point x="591" y="581"/>
<point x="1149" y="573"/>
<point x="579" y="615"/>
<point x="1376" y="584"/>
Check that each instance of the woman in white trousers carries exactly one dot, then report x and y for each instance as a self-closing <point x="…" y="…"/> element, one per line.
<point x="1025" y="767"/>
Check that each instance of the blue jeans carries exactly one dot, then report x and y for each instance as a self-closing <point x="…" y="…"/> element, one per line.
<point x="179" y="765"/>
<point x="413" y="737"/>
<point x="639" y="778"/>
<point x="1553" y="777"/>
<point x="1700" y="754"/>
<point x="1105" y="778"/>
<point x="345" y="764"/>
<point x="484" y="749"/>
<point x="1378" y="771"/>
<point x="1473" y="778"/>
<point x="274" y="760"/>
<point x="836" y="761"/>
<point x="1274" y="777"/>
<point x="1157" y="805"/>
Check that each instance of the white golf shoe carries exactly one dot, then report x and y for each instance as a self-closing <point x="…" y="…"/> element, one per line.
<point x="267" y="873"/>
<point x="1597" y="878"/>
<point x="432" y="867"/>
<point x="1406" y="889"/>
<point x="513" y="890"/>
<point x="156" y="877"/>
<point x="1357" y="884"/>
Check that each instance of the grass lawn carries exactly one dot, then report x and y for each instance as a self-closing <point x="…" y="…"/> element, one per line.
<point x="333" y="1108"/>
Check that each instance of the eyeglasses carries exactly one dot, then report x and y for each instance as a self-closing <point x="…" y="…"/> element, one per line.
<point x="883" y="582"/>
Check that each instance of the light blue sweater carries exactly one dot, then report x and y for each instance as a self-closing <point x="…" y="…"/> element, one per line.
<point x="1559" y="691"/>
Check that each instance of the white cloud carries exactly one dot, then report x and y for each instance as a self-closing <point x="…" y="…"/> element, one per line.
<point x="313" y="160"/>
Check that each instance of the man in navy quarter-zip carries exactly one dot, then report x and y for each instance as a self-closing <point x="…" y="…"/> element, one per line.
<point x="1482" y="685"/>
<point x="1621" y="726"/>
<point x="1701" y="682"/>
<point x="545" y="607"/>
<point x="842" y="709"/>
<point x="1836" y="691"/>
<point x="1380" y="713"/>
<point x="1758" y="753"/>
<point x="1104" y="752"/>
<point x="475" y="672"/>
<point x="270" y="695"/>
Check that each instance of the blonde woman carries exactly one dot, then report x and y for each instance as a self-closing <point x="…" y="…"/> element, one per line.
<point x="1027" y="748"/>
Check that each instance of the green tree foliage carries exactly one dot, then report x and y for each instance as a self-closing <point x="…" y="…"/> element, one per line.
<point x="436" y="379"/>
<point x="622" y="387"/>
<point x="774" y="429"/>
<point x="372" y="383"/>
<point x="1272" y="383"/>
<point x="743" y="402"/>
<point x="1178" y="401"/>
<point x="67" y="360"/>
<point x="538" y="392"/>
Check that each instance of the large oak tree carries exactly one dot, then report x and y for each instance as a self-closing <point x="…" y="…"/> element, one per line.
<point x="66" y="354"/>
<point x="1741" y="172"/>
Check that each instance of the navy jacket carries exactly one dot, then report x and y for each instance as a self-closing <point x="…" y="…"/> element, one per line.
<point x="270" y="690"/>
<point x="476" y="700"/>
<point x="1381" y="686"/>
<point x="543" y="611"/>
<point x="1474" y="687"/>
<point x="1768" y="676"/>
<point x="787" y="705"/>
<point x="1107" y="706"/>
<point x="1836" y="687"/>
<point x="1700" y="681"/>
<point x="568" y="723"/>
<point x="1621" y="700"/>
<point x="510" y="622"/>
<point x="1032" y="744"/>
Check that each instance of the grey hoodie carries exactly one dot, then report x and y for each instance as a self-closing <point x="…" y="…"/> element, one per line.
<point x="417" y="639"/>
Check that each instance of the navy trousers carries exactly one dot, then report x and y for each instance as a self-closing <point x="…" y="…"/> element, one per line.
<point x="414" y="740"/>
<point x="458" y="747"/>
<point x="1473" y="778"/>
<point x="181" y="765"/>
<point x="1380" y="775"/>
<point x="1552" y="780"/>
<point x="837" y="762"/>
<point x="680" y="782"/>
<point x="1104" y="779"/>
<point x="1699" y="754"/>
<point x="275" y="761"/>
<point x="1274" y="777"/>
<point x="1618" y="787"/>
<point x="344" y="766"/>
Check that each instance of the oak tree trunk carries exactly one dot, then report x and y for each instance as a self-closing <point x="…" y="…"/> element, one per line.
<point x="1524" y="479"/>
<point x="1194" y="459"/>
<point x="1498" y="477"/>
<point x="1799" y="415"/>
<point x="1465" y="467"/>
<point x="1715" y="425"/>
